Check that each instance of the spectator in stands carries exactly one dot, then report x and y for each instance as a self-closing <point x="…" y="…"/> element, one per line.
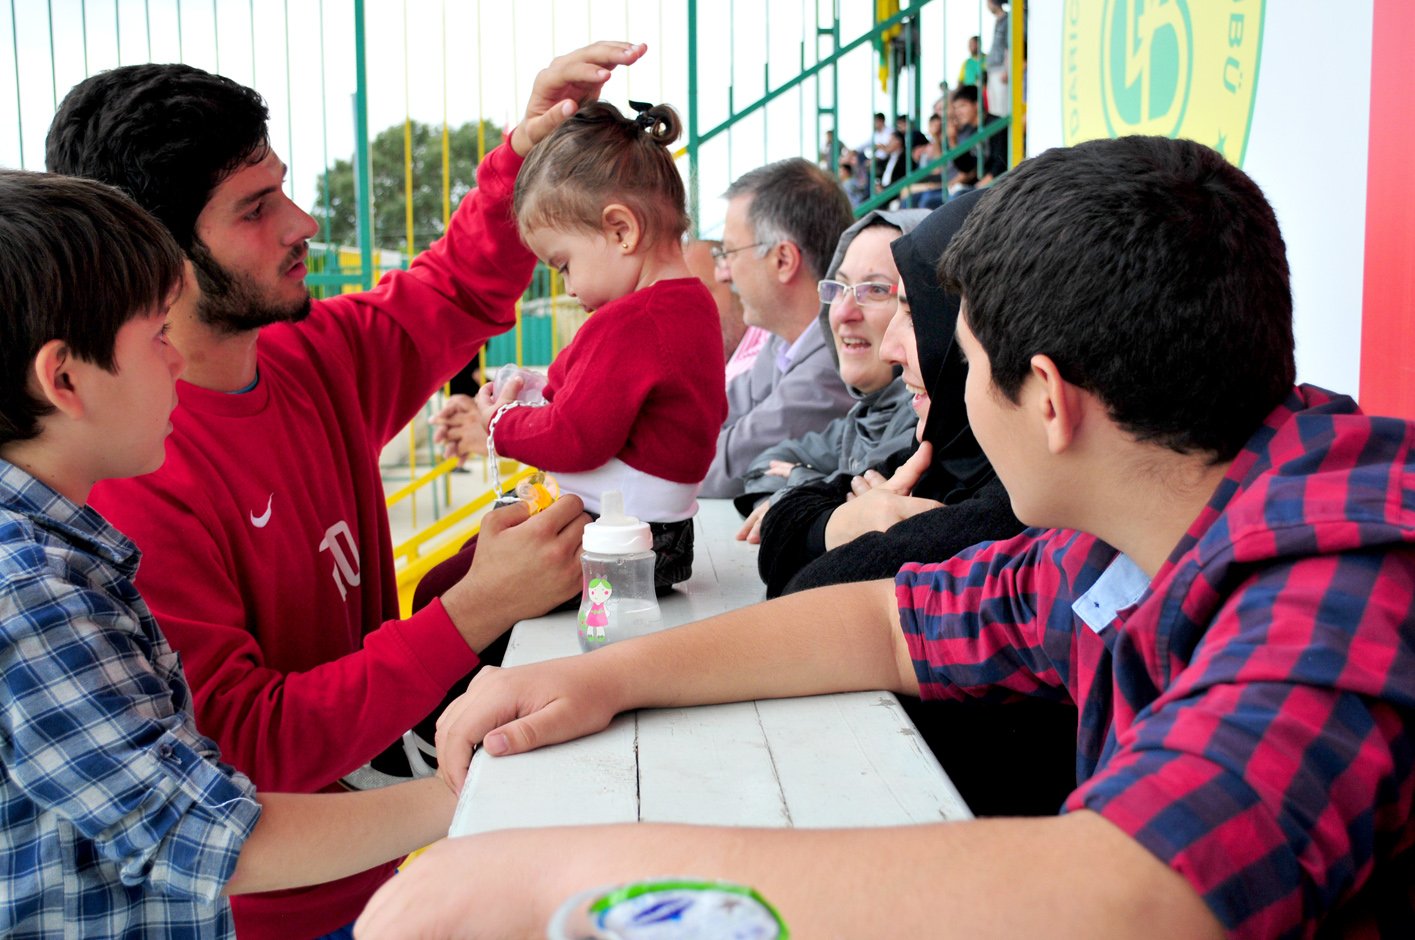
<point x="999" y="91"/>
<point x="879" y="139"/>
<point x="971" y="72"/>
<point x="967" y="172"/>
<point x="913" y="137"/>
<point x="1222" y="578"/>
<point x="830" y="149"/>
<point x="783" y="221"/>
<point x="268" y="560"/>
<point x="927" y="193"/>
<point x="895" y="161"/>
<point x="858" y="300"/>
<point x="854" y="176"/>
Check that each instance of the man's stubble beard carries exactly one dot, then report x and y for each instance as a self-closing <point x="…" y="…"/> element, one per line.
<point x="231" y="303"/>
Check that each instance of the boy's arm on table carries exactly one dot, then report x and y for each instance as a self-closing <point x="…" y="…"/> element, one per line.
<point x="837" y="639"/>
<point x="310" y="838"/>
<point x="1068" y="876"/>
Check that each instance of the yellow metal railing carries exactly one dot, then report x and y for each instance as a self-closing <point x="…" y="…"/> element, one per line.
<point x="434" y="544"/>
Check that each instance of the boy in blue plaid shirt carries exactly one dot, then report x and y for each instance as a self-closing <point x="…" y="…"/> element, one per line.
<point x="119" y="818"/>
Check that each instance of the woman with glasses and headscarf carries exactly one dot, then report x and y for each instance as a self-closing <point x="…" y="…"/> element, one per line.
<point x="859" y="297"/>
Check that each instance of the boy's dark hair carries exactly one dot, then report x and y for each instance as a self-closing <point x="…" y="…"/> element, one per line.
<point x="598" y="157"/>
<point x="794" y="200"/>
<point x="78" y="260"/>
<point x="1151" y="271"/>
<point x="966" y="93"/>
<point x="165" y="134"/>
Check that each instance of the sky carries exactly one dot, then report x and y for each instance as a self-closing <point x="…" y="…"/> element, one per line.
<point x="460" y="59"/>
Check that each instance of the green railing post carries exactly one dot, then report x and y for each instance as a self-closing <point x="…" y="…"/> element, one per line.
<point x="362" y="169"/>
<point x="734" y="115"/>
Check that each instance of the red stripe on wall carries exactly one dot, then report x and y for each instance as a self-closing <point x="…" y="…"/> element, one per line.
<point x="1388" y="314"/>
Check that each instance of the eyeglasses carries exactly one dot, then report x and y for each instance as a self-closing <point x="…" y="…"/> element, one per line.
<point x="720" y="255"/>
<point x="867" y="293"/>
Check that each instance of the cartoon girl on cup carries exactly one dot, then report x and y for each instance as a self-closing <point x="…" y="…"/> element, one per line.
<point x="595" y="619"/>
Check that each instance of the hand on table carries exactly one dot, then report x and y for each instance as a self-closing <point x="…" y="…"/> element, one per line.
<point x="522" y="708"/>
<point x="566" y="83"/>
<point x="751" y="531"/>
<point x="876" y="503"/>
<point x="524" y="566"/>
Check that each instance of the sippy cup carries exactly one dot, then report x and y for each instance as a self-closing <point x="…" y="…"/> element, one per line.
<point x="617" y="599"/>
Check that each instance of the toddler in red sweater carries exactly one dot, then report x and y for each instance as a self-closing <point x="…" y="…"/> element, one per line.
<point x="634" y="403"/>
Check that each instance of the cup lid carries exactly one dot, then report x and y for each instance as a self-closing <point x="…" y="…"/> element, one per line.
<point x="614" y="533"/>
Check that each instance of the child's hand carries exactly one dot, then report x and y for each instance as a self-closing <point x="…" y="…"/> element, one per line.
<point x="489" y="400"/>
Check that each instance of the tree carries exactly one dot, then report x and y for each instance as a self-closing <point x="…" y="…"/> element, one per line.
<point x="390" y="227"/>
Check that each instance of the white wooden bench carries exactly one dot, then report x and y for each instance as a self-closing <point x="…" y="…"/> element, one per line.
<point x="825" y="761"/>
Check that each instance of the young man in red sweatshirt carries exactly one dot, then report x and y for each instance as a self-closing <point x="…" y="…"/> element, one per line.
<point x="269" y="560"/>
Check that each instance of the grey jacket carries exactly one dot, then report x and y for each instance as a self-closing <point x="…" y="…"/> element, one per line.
<point x="879" y="424"/>
<point x="766" y="406"/>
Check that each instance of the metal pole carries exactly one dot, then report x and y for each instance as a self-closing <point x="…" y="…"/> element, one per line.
<point x="1016" y="78"/>
<point x="361" y="145"/>
<point x="19" y="112"/>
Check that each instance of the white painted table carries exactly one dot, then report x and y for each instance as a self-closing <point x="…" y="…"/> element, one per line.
<point x="831" y="760"/>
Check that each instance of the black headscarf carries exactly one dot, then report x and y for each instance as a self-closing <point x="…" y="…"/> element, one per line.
<point x="958" y="466"/>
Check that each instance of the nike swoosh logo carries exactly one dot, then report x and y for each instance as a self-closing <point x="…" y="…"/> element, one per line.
<point x="260" y="520"/>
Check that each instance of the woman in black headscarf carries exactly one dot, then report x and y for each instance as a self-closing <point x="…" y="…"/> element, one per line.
<point x="923" y="504"/>
<point x="1012" y="758"/>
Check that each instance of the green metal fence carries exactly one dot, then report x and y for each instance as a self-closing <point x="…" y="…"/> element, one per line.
<point x="757" y="80"/>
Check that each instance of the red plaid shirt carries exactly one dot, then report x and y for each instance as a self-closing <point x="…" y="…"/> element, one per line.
<point x="1246" y="716"/>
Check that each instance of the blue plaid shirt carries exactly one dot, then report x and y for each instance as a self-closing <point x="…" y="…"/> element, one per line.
<point x="116" y="817"/>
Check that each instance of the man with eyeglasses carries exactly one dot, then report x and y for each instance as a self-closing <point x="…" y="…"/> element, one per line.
<point x="783" y="222"/>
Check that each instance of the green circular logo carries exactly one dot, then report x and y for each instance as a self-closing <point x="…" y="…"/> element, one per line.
<point x="1147" y="65"/>
<point x="1174" y="68"/>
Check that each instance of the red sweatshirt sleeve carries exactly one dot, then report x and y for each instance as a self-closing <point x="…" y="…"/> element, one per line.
<point x="419" y="327"/>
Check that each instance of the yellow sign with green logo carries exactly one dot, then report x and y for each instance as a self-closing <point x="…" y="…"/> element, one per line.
<point x="1176" y="68"/>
